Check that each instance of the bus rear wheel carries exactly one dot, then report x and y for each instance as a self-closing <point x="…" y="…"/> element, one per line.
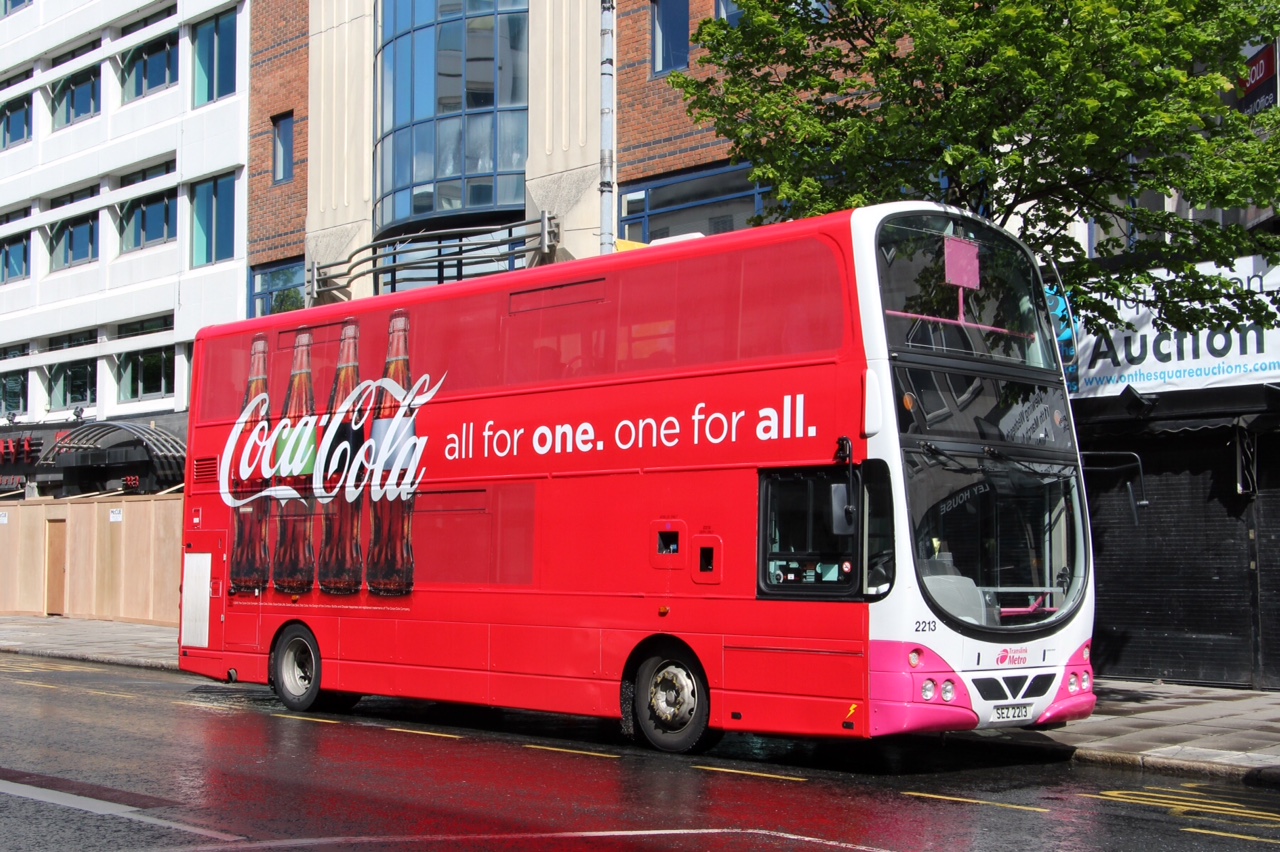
<point x="296" y="668"/>
<point x="672" y="706"/>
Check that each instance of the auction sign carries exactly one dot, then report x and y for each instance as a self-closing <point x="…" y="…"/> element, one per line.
<point x="1149" y="359"/>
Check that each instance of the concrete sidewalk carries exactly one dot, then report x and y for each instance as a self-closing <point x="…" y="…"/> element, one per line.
<point x="1191" y="730"/>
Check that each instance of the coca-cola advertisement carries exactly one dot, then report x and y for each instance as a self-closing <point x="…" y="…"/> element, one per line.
<point x="298" y="481"/>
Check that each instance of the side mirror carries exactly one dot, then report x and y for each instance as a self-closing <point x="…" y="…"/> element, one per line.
<point x="844" y="515"/>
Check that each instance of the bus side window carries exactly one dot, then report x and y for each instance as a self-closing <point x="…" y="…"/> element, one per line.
<point x="877" y="533"/>
<point x="806" y="550"/>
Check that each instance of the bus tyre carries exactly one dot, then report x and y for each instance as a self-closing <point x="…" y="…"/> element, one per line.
<point x="672" y="709"/>
<point x="296" y="668"/>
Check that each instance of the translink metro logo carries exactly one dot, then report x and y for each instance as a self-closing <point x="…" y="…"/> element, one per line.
<point x="1012" y="657"/>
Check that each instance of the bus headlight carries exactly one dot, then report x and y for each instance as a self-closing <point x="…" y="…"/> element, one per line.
<point x="1073" y="684"/>
<point x="948" y="690"/>
<point x="928" y="689"/>
<point x="1084" y="681"/>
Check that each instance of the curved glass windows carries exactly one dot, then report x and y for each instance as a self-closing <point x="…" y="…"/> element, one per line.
<point x="453" y="95"/>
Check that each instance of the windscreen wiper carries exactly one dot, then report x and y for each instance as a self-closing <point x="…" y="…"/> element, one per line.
<point x="957" y="465"/>
<point x="1062" y="473"/>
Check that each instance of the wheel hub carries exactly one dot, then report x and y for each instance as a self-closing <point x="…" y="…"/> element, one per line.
<point x="297" y="667"/>
<point x="673" y="696"/>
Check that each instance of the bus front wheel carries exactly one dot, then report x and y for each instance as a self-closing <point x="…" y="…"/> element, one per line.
<point x="671" y="703"/>
<point x="296" y="668"/>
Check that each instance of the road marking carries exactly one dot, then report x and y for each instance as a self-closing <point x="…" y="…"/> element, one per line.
<point x="112" y="694"/>
<point x="575" y="751"/>
<point x="753" y="774"/>
<point x="29" y="665"/>
<point x="1232" y="836"/>
<point x="977" y="802"/>
<point x="33" y="683"/>
<point x="1182" y="805"/>
<point x="426" y="733"/>
<point x="196" y="704"/>
<point x="104" y="808"/>
<point x="306" y="718"/>
<point x="305" y="842"/>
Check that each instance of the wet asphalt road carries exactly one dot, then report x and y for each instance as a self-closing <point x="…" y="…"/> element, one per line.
<point x="102" y="757"/>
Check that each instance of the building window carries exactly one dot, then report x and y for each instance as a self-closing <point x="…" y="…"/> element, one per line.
<point x="670" y="35"/>
<point x="712" y="202"/>
<point x="213" y="220"/>
<point x="13" y="386"/>
<point x="73" y="339"/>
<point x="727" y="10"/>
<point x="215" y="49"/>
<point x="146" y="326"/>
<point x="75" y="241"/>
<point x="74" y="384"/>
<point x="151" y="68"/>
<point x="149" y="221"/>
<point x="13" y="393"/>
<point x="148" y="173"/>
<point x="282" y="148"/>
<point x="453" y="96"/>
<point x="12" y="6"/>
<point x="72" y="197"/>
<point x="277" y="288"/>
<point x="15" y="122"/>
<point x="76" y="98"/>
<point x="146" y="374"/>
<point x="143" y="23"/>
<point x="15" y="258"/>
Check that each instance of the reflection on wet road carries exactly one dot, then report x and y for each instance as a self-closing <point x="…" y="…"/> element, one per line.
<point x="114" y="758"/>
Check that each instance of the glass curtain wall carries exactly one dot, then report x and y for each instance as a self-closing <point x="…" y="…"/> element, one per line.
<point x="452" y="120"/>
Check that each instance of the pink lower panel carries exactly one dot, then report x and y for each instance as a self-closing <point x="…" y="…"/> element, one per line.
<point x="1069" y="709"/>
<point x="901" y="717"/>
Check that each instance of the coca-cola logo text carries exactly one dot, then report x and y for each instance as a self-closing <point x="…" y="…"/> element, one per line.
<point x="388" y="463"/>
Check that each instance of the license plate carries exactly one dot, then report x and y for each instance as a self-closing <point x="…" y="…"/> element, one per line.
<point x="1006" y="712"/>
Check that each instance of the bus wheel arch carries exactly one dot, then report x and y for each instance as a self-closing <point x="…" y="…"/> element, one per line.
<point x="294" y="669"/>
<point x="665" y="697"/>
<point x="296" y="666"/>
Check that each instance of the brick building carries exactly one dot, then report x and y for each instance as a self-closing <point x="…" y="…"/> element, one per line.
<point x="277" y="215"/>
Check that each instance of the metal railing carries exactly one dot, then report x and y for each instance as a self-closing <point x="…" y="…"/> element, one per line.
<point x="440" y="257"/>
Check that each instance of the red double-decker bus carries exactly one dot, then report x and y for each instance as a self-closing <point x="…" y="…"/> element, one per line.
<point x="816" y="478"/>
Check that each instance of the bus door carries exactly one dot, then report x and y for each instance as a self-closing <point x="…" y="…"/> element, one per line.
<point x="204" y="555"/>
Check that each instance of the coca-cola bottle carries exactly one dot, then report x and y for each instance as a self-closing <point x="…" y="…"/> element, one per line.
<point x="250" y="554"/>
<point x="340" y="562"/>
<point x="389" y="570"/>
<point x="295" y="563"/>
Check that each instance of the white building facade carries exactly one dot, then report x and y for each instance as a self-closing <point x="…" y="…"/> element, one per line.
<point x="123" y="152"/>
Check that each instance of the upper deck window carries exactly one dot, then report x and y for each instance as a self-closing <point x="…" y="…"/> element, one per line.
<point x="953" y="286"/>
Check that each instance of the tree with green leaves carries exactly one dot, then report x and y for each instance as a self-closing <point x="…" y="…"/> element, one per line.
<point x="1039" y="114"/>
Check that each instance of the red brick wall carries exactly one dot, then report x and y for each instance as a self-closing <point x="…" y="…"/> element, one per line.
<point x="655" y="134"/>
<point x="277" y="85"/>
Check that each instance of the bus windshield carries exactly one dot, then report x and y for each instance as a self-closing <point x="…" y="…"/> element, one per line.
<point x="954" y="286"/>
<point x="999" y="542"/>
